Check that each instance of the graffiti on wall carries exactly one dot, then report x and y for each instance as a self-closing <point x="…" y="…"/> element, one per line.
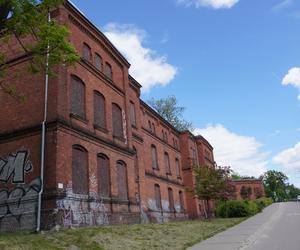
<point x="18" y="199"/>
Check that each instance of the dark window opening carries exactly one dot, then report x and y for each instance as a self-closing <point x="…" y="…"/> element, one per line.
<point x="99" y="110"/>
<point x="122" y="181"/>
<point x="117" y="120"/>
<point x="77" y="97"/>
<point x="79" y="170"/>
<point x="157" y="196"/>
<point x="103" y="173"/>
<point x="154" y="157"/>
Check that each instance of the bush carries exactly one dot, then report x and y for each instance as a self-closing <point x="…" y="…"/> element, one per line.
<point x="244" y="208"/>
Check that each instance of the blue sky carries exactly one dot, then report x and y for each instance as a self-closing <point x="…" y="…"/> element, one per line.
<point x="234" y="65"/>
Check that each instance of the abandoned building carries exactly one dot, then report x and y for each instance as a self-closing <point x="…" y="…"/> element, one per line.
<point x="248" y="189"/>
<point x="109" y="157"/>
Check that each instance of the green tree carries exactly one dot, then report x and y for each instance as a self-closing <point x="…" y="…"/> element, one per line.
<point x="213" y="184"/>
<point x="169" y="109"/>
<point x="23" y="19"/>
<point x="275" y="183"/>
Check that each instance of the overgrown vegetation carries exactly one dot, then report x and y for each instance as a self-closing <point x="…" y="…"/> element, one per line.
<point x="243" y="208"/>
<point x="173" y="236"/>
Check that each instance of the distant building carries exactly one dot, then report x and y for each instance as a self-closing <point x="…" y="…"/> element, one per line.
<point x="248" y="189"/>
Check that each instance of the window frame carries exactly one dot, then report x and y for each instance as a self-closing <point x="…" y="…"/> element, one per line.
<point x="97" y="125"/>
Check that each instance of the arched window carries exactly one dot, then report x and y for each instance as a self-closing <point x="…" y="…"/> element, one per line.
<point x="181" y="200"/>
<point x="99" y="110"/>
<point x="98" y="61"/>
<point x="157" y="196"/>
<point x="136" y="164"/>
<point x="167" y="164"/>
<point x="117" y="121"/>
<point x="108" y="70"/>
<point x="77" y="97"/>
<point x="153" y="128"/>
<point x="132" y="114"/>
<point x="79" y="170"/>
<point x="122" y="181"/>
<point x="171" y="199"/>
<point x="103" y="175"/>
<point x="150" y="126"/>
<point x="86" y="52"/>
<point x="154" y="157"/>
<point x="177" y="167"/>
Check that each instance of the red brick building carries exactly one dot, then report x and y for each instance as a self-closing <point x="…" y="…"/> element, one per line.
<point x="110" y="158"/>
<point x="248" y="189"/>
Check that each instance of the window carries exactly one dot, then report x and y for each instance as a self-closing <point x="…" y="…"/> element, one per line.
<point x="177" y="168"/>
<point x="79" y="170"/>
<point x="117" y="121"/>
<point x="194" y="157"/>
<point x="132" y="114"/>
<point x="87" y="54"/>
<point x="99" y="110"/>
<point x="154" y="157"/>
<point x="108" y="70"/>
<point x="167" y="164"/>
<point x="171" y="199"/>
<point x="150" y="126"/>
<point x="98" y="62"/>
<point x="103" y="175"/>
<point x="157" y="196"/>
<point x="122" y="180"/>
<point x="136" y="164"/>
<point x="181" y="200"/>
<point x="153" y="128"/>
<point x="77" y="97"/>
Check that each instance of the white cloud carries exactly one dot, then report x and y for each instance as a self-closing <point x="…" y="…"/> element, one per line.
<point x="216" y="4"/>
<point x="242" y="153"/>
<point x="289" y="158"/>
<point x="293" y="78"/>
<point x="147" y="67"/>
<point x="282" y="5"/>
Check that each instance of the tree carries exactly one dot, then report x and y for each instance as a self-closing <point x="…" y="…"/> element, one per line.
<point x="169" y="109"/>
<point x="275" y="183"/>
<point x="213" y="184"/>
<point x="27" y="22"/>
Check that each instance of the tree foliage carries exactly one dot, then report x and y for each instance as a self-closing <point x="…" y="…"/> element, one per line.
<point x="169" y="109"/>
<point x="275" y="183"/>
<point x="213" y="183"/>
<point x="23" y="19"/>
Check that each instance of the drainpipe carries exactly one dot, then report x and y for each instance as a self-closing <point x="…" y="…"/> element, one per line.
<point x="38" y="227"/>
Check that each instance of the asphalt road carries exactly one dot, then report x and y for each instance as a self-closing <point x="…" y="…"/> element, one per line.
<point x="276" y="228"/>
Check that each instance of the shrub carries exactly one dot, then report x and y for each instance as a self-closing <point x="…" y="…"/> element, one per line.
<point x="244" y="208"/>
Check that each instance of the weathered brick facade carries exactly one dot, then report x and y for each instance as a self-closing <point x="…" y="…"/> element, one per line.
<point x="110" y="158"/>
<point x="248" y="189"/>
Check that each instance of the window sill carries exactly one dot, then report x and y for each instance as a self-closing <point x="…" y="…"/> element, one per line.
<point x="79" y="118"/>
<point x="104" y="130"/>
<point x="119" y="138"/>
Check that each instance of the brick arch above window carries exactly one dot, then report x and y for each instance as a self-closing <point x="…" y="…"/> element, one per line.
<point x="98" y="61"/>
<point x="86" y="52"/>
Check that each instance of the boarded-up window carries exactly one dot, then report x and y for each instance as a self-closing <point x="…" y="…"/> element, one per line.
<point x="194" y="157"/>
<point x="177" y="167"/>
<point x="157" y="196"/>
<point x="181" y="200"/>
<point x="117" y="120"/>
<point x="79" y="170"/>
<point x="167" y="164"/>
<point x="136" y="164"/>
<point x="150" y="126"/>
<point x="99" y="110"/>
<point x="103" y="176"/>
<point x="98" y="62"/>
<point x="154" y="157"/>
<point x="153" y="128"/>
<point x="86" y="53"/>
<point x="108" y="70"/>
<point x="171" y="199"/>
<point x="77" y="97"/>
<point x="132" y="114"/>
<point x="122" y="180"/>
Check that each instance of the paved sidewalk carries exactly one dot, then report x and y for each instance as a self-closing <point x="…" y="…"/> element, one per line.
<point x="276" y="228"/>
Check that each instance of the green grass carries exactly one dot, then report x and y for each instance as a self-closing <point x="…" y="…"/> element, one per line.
<point x="177" y="235"/>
